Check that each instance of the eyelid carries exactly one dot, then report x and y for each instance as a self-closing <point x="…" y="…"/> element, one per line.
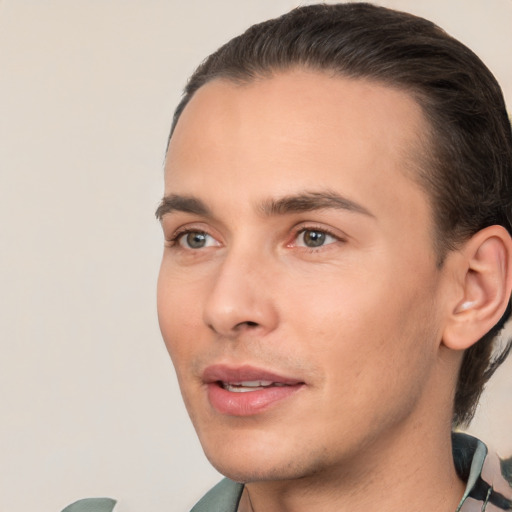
<point x="183" y="242"/>
<point x="336" y="234"/>
<point x="179" y="233"/>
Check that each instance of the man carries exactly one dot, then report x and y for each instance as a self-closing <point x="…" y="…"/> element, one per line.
<point x="338" y="262"/>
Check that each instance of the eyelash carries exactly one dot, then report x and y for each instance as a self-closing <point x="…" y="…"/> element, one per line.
<point x="181" y="233"/>
<point x="319" y="229"/>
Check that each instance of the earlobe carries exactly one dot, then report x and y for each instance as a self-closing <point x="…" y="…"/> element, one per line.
<point x="486" y="269"/>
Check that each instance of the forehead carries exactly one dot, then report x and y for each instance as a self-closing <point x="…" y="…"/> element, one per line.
<point x="301" y="129"/>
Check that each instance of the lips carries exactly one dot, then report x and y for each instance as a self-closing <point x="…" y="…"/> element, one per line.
<point x="245" y="390"/>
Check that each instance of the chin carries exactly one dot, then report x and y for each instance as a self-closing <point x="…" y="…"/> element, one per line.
<point x="263" y="461"/>
<point x="256" y="471"/>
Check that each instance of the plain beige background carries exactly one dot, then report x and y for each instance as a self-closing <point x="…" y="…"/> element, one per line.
<point x="89" y="405"/>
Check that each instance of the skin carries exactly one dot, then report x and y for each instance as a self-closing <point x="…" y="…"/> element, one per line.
<point x="359" y="319"/>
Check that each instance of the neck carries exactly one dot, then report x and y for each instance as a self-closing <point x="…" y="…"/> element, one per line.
<point x="412" y="474"/>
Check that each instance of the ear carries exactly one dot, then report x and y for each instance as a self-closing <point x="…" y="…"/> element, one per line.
<point x="485" y="272"/>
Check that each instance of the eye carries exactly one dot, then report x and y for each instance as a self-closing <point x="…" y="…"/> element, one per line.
<point x="195" y="240"/>
<point x="314" y="238"/>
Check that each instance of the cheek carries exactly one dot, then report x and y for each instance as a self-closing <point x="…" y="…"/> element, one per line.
<point x="179" y="309"/>
<point x="364" y="328"/>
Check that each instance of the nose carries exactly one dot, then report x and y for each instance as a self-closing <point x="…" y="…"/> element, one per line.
<point x="242" y="298"/>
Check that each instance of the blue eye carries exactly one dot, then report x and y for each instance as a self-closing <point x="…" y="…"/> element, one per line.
<point x="314" y="238"/>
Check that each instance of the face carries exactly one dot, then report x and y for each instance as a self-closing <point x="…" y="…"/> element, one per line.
<point x="299" y="296"/>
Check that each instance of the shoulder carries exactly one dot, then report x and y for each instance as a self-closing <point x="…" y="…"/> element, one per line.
<point x="224" y="497"/>
<point x="92" y="505"/>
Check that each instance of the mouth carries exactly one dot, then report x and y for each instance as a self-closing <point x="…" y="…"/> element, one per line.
<point x="246" y="391"/>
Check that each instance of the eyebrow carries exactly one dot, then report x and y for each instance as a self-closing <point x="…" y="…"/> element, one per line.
<point x="310" y="201"/>
<point x="186" y="204"/>
<point x="297" y="203"/>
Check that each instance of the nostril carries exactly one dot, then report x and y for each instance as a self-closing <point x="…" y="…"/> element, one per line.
<point x="248" y="323"/>
<point x="236" y="329"/>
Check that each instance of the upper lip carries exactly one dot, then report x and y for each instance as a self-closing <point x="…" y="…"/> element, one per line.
<point x="245" y="373"/>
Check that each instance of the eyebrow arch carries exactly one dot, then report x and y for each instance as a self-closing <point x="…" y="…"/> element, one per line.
<point x="186" y="204"/>
<point x="310" y="201"/>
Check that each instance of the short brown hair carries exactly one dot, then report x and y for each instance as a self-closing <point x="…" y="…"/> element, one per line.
<point x="468" y="174"/>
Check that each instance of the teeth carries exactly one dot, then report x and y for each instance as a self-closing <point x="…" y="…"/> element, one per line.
<point x="239" y="389"/>
<point x="252" y="383"/>
<point x="247" y="385"/>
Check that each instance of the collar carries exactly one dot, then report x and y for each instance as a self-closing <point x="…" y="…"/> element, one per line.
<point x="489" y="486"/>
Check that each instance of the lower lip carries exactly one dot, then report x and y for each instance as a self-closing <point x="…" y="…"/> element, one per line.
<point x="250" y="402"/>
